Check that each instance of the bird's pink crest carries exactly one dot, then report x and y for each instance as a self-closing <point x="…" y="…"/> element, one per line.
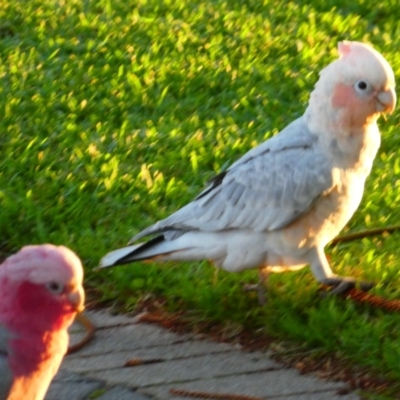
<point x="43" y="263"/>
<point x="344" y="48"/>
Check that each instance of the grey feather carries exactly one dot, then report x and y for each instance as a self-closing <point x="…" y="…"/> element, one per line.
<point x="268" y="188"/>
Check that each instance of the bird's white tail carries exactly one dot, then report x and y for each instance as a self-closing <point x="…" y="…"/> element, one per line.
<point x="157" y="247"/>
<point x="113" y="257"/>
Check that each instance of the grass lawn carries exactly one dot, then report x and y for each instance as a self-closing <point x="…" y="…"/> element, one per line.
<point x="115" y="113"/>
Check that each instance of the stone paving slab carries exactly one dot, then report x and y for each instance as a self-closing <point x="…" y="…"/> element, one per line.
<point x="325" y="395"/>
<point x="129" y="337"/>
<point x="193" y="368"/>
<point x="70" y="386"/>
<point x="174" y="361"/>
<point x="81" y="363"/>
<point x="103" y="319"/>
<point x="121" y="393"/>
<point x="316" y="396"/>
<point x="280" y="383"/>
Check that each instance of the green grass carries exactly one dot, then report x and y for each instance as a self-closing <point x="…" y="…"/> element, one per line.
<point x="115" y="113"/>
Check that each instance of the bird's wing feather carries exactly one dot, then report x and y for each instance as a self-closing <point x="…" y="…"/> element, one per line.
<point x="266" y="189"/>
<point x="5" y="371"/>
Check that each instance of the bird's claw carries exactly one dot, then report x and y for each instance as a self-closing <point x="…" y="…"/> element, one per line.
<point x="366" y="286"/>
<point x="341" y="285"/>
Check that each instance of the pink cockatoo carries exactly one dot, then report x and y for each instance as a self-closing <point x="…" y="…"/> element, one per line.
<point x="40" y="294"/>
<point x="278" y="206"/>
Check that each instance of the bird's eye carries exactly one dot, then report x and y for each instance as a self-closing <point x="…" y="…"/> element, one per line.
<point x="362" y="87"/>
<point x="55" y="287"/>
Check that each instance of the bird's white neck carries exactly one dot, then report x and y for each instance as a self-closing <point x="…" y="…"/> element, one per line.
<point x="348" y="146"/>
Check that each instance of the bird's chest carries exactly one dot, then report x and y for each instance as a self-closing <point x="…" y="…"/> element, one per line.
<point x="33" y="386"/>
<point x="352" y="165"/>
<point x="329" y="214"/>
<point x="337" y="206"/>
<point x="34" y="361"/>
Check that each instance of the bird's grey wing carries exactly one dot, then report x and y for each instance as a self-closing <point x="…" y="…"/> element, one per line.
<point x="267" y="189"/>
<point x="5" y="371"/>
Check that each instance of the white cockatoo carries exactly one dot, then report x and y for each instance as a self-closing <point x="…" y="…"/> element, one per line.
<point x="278" y="206"/>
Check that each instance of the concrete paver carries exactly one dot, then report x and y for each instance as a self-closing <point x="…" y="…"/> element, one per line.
<point x="284" y="383"/>
<point x="316" y="396"/>
<point x="70" y="386"/>
<point x="192" y="368"/>
<point x="126" y="338"/>
<point x="174" y="361"/>
<point x="153" y="354"/>
<point x="121" y="393"/>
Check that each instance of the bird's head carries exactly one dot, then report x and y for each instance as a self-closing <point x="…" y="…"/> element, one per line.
<point x="44" y="284"/>
<point x="359" y="85"/>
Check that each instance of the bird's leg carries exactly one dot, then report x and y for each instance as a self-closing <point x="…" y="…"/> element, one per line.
<point x="260" y="287"/>
<point x="323" y="274"/>
<point x="263" y="275"/>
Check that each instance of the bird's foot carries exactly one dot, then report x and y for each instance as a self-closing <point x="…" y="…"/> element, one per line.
<point x="260" y="289"/>
<point x="342" y="284"/>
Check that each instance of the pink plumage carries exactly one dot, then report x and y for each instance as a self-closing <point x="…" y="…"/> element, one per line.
<point x="40" y="294"/>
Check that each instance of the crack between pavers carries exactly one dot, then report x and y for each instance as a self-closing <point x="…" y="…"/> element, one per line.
<point x="183" y="338"/>
<point x="180" y="382"/>
<point x="267" y="397"/>
<point x="107" y="387"/>
<point x="180" y="341"/>
<point x="272" y="369"/>
<point x="282" y="396"/>
<point x="125" y="324"/>
<point x="138" y="388"/>
<point x="160" y="360"/>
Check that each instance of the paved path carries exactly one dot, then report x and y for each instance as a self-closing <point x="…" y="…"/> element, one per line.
<point x="175" y="361"/>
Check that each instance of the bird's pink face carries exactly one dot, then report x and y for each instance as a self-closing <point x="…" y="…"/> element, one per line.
<point x="361" y="103"/>
<point x="54" y="305"/>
